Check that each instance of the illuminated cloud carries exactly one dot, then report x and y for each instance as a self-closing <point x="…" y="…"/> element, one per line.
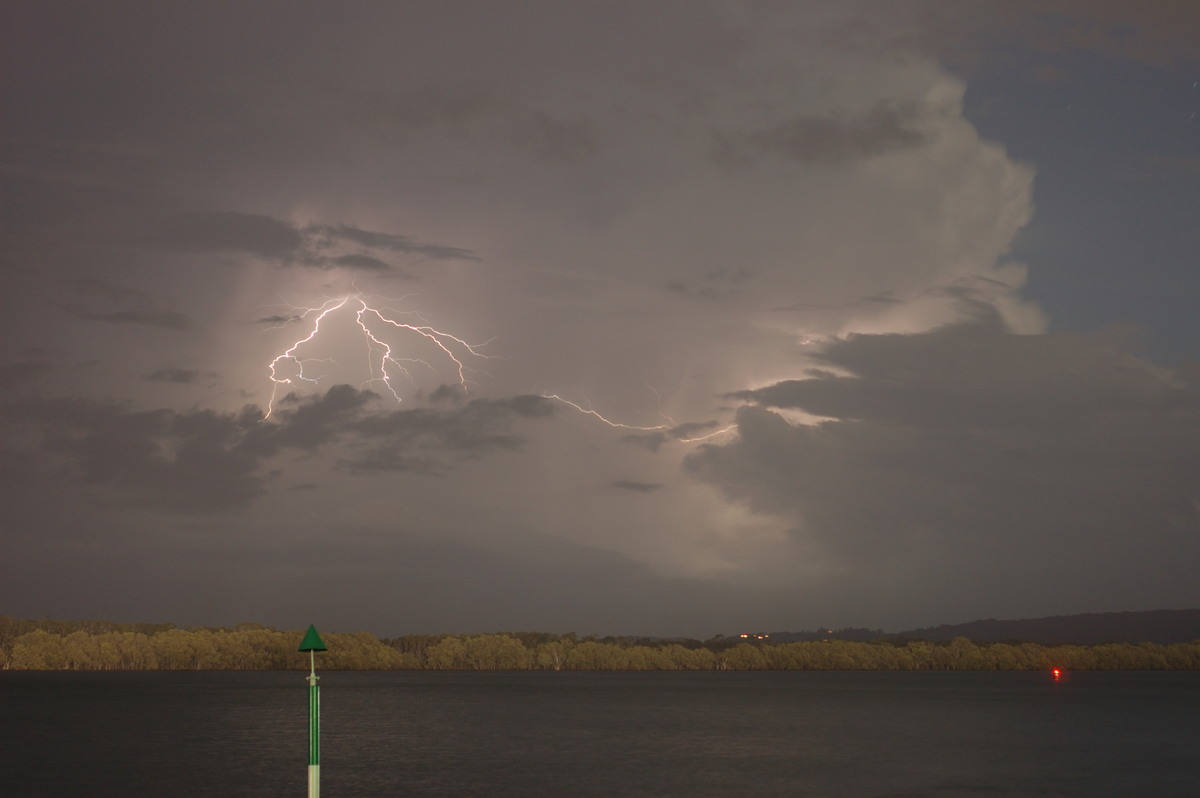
<point x="776" y="333"/>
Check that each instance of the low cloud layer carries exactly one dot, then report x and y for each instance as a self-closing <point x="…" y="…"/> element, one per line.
<point x="204" y="461"/>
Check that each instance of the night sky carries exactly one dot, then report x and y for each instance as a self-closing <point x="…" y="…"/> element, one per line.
<point x="669" y="318"/>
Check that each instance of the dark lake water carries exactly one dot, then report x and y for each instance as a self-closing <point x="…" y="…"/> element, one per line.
<point x="534" y="734"/>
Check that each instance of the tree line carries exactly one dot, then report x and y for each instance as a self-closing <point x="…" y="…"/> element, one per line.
<point x="100" y="645"/>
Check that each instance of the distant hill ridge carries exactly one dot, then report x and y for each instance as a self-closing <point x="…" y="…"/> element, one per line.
<point x="1154" y="626"/>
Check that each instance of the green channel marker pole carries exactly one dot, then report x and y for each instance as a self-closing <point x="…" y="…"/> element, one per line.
<point x="313" y="643"/>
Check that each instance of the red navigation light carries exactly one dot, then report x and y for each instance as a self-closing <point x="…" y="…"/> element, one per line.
<point x="1056" y="673"/>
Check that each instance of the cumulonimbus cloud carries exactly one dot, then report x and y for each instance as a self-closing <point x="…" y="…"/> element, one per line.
<point x="970" y="445"/>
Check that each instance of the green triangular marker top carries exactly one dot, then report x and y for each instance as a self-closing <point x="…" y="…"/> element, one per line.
<point x="312" y="641"/>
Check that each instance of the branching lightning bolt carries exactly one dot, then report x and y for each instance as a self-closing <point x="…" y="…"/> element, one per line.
<point x="437" y="337"/>
<point x="290" y="352"/>
<point x="382" y="362"/>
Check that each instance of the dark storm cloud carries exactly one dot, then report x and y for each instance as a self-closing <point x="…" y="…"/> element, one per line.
<point x="971" y="448"/>
<point x="390" y="242"/>
<point x="204" y="461"/>
<point x="825" y="139"/>
<point x="364" y="262"/>
<point x="314" y="421"/>
<point x="165" y="319"/>
<point x="416" y="440"/>
<point x="185" y="462"/>
<point x="406" y="439"/>
<point x="314" y="245"/>
<point x="974" y="374"/>
<point x="216" y="231"/>
<point x="528" y="406"/>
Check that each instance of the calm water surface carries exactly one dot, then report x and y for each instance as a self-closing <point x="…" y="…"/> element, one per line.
<point x="536" y="734"/>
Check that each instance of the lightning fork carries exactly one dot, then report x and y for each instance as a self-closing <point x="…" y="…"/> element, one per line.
<point x="376" y="345"/>
<point x="290" y="353"/>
